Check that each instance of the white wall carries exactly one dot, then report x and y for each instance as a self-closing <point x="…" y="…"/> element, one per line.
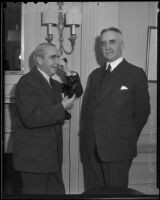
<point x="134" y="19"/>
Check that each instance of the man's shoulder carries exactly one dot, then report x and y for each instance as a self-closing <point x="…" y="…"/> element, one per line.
<point x="96" y="71"/>
<point x="136" y="72"/>
<point x="132" y="67"/>
<point x="28" y="77"/>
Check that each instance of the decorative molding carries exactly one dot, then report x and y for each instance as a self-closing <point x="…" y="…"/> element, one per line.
<point x="9" y="99"/>
<point x="149" y="189"/>
<point x="142" y="181"/>
<point x="14" y="72"/>
<point x="146" y="148"/>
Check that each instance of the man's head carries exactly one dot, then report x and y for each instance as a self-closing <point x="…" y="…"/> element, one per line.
<point x="111" y="43"/>
<point x="46" y="57"/>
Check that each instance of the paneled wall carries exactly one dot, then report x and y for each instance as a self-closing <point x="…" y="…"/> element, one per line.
<point x="95" y="17"/>
<point x="143" y="173"/>
<point x="133" y="19"/>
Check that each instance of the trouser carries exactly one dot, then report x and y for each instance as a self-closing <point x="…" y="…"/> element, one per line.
<point x="46" y="183"/>
<point x="98" y="173"/>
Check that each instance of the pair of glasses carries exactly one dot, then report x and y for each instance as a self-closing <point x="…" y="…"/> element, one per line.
<point x="105" y="44"/>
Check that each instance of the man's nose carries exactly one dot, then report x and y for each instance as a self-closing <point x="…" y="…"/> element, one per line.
<point x="58" y="61"/>
<point x="107" y="46"/>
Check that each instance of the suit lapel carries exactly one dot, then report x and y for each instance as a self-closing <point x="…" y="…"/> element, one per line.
<point x="58" y="90"/>
<point x="116" y="78"/>
<point x="97" y="83"/>
<point x="44" y="85"/>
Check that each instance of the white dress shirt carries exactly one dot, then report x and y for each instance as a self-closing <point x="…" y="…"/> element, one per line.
<point x="114" y="63"/>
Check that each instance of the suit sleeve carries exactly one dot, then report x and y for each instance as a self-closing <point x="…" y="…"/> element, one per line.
<point x="85" y="106"/>
<point x="33" y="114"/>
<point x="84" y="117"/>
<point x="141" y="101"/>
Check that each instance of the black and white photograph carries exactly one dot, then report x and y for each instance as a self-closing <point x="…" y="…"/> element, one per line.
<point x="79" y="100"/>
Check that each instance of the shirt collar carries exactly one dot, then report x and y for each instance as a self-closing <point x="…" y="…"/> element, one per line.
<point x="44" y="74"/>
<point x="114" y="63"/>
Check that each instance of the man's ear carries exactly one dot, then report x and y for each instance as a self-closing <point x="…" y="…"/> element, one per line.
<point x="122" y="45"/>
<point x="39" y="60"/>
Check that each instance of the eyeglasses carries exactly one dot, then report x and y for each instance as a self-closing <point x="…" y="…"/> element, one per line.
<point x="110" y="42"/>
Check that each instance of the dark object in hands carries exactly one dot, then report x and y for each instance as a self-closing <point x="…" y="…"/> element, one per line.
<point x="72" y="86"/>
<point x="67" y="115"/>
<point x="67" y="89"/>
<point x="65" y="60"/>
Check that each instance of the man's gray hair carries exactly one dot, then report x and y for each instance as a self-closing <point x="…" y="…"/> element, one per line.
<point x="40" y="50"/>
<point x="111" y="29"/>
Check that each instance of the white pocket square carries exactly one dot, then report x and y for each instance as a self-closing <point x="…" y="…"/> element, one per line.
<point x="124" y="87"/>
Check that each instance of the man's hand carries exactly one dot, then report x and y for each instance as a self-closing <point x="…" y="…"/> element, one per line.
<point x="68" y="103"/>
<point x="64" y="67"/>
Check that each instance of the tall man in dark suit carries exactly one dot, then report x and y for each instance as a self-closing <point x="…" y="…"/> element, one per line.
<point x="114" y="110"/>
<point x="41" y="112"/>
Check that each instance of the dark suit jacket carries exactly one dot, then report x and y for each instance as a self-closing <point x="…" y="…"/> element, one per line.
<point x="114" y="118"/>
<point x="40" y="116"/>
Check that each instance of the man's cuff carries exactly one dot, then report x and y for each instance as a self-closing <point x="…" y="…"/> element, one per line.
<point x="71" y="73"/>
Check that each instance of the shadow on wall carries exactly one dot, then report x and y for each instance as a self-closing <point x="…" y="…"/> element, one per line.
<point x="98" y="52"/>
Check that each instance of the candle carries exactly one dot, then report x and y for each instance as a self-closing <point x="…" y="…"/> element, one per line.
<point x="73" y="29"/>
<point x="49" y="28"/>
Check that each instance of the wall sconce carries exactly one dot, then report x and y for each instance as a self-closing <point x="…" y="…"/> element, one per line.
<point x="71" y="18"/>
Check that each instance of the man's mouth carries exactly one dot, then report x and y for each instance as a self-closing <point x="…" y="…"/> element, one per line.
<point x="108" y="52"/>
<point x="55" y="67"/>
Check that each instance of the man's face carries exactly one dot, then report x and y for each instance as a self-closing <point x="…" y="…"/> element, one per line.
<point x="112" y="45"/>
<point x="50" y="60"/>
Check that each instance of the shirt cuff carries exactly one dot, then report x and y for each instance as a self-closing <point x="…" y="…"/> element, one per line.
<point x="71" y="73"/>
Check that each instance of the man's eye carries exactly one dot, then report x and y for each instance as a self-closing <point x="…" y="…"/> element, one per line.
<point x="54" y="57"/>
<point x="112" y="42"/>
<point x="103" y="43"/>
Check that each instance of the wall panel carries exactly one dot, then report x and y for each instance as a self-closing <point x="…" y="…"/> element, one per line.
<point x="95" y="17"/>
<point x="134" y="19"/>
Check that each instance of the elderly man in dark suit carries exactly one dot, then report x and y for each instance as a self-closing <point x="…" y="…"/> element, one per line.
<point x="114" y="110"/>
<point x="41" y="112"/>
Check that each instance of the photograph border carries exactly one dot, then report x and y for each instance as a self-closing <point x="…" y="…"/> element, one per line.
<point x="151" y="74"/>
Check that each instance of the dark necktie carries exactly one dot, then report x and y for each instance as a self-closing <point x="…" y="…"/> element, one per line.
<point x="105" y="78"/>
<point x="57" y="96"/>
<point x="51" y="82"/>
<point x="108" y="71"/>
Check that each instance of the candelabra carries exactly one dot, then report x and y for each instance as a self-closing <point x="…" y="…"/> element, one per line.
<point x="71" y="18"/>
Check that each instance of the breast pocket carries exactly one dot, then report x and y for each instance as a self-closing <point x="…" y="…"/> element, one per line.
<point x="122" y="97"/>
